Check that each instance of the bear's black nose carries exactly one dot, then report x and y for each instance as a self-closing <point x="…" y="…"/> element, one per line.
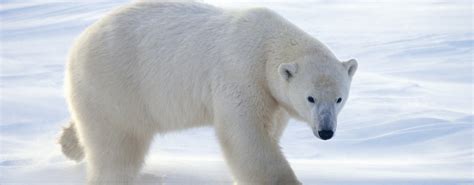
<point x="326" y="134"/>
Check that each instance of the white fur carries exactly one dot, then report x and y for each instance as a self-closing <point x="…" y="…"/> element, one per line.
<point x="152" y="68"/>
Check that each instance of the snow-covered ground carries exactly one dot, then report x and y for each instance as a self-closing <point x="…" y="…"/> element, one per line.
<point x="409" y="119"/>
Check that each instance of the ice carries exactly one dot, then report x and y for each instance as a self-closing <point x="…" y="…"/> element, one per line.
<point x="409" y="119"/>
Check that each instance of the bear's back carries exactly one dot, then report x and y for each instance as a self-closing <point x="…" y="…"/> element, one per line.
<point x="154" y="52"/>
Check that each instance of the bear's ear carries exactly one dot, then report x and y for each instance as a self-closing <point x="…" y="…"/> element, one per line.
<point x="351" y="67"/>
<point x="287" y="70"/>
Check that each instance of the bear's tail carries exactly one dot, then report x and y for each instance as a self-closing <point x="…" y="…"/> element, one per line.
<point x="70" y="144"/>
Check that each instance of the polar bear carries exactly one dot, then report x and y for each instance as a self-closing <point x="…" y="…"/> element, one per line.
<point x="149" y="68"/>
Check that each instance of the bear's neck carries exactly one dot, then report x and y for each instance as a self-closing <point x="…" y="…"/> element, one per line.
<point x="286" y="45"/>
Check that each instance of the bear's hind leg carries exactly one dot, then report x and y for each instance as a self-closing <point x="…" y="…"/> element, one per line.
<point x="114" y="156"/>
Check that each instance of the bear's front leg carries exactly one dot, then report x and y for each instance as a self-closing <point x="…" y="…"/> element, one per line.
<point x="253" y="156"/>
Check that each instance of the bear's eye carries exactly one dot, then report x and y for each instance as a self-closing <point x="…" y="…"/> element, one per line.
<point x="339" y="100"/>
<point x="310" y="99"/>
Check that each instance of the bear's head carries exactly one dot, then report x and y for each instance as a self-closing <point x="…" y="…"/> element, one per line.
<point x="316" y="90"/>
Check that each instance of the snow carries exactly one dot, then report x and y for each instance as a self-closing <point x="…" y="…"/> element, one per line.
<point x="409" y="119"/>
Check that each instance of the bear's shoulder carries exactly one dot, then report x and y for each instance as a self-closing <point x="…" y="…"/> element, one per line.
<point x="259" y="14"/>
<point x="157" y="9"/>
